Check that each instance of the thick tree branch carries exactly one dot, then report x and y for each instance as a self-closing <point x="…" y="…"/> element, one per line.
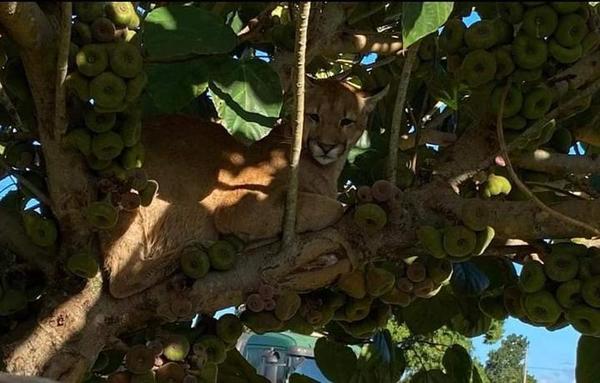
<point x="399" y="105"/>
<point x="587" y="133"/>
<point x="25" y="22"/>
<point x="555" y="163"/>
<point x="89" y="320"/>
<point x="349" y="42"/>
<point x="579" y="74"/>
<point x="289" y="224"/>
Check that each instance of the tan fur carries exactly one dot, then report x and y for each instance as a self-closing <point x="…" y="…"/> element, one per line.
<point x="211" y="184"/>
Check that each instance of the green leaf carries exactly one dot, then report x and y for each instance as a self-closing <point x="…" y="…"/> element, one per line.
<point x="470" y="321"/>
<point x="587" y="369"/>
<point x="457" y="363"/>
<point x="424" y="316"/>
<point x="174" y="85"/>
<point x="297" y="378"/>
<point x="444" y="88"/>
<point x="500" y="271"/>
<point x="237" y="368"/>
<point x="247" y="95"/>
<point x="178" y="31"/>
<point x="430" y="376"/>
<point x="335" y="360"/>
<point x="422" y="18"/>
<point x="479" y="375"/>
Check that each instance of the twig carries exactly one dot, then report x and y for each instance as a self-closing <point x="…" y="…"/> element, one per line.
<point x="10" y="109"/>
<point x="62" y="63"/>
<point x="520" y="184"/>
<point x="556" y="163"/>
<point x="418" y="130"/>
<point x="16" y="136"/>
<point x="556" y="189"/>
<point x="289" y="224"/>
<point x="373" y="65"/>
<point x="254" y="25"/>
<point x="392" y="165"/>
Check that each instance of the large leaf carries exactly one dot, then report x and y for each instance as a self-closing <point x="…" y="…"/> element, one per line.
<point x="237" y="368"/>
<point x="468" y="280"/>
<point x="422" y="18"/>
<point x="335" y="360"/>
<point x="248" y="97"/>
<point x="381" y="360"/>
<point x="499" y="271"/>
<point x="178" y="31"/>
<point x="174" y="85"/>
<point x="424" y="316"/>
<point x="470" y="321"/>
<point x="587" y="369"/>
<point x="430" y="376"/>
<point x="458" y="363"/>
<point x="479" y="375"/>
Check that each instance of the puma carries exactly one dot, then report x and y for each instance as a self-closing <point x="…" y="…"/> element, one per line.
<point x="211" y="184"/>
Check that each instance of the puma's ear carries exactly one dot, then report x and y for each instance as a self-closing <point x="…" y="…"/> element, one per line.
<point x="372" y="100"/>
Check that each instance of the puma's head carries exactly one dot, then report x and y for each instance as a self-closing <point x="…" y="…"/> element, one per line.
<point x="336" y="115"/>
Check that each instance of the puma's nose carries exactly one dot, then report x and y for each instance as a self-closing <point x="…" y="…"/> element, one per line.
<point x="325" y="147"/>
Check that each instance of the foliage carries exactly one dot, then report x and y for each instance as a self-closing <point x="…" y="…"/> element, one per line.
<point x="505" y="364"/>
<point x="446" y="273"/>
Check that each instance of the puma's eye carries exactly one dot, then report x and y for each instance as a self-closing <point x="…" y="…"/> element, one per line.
<point x="346" y="121"/>
<point x="314" y="117"/>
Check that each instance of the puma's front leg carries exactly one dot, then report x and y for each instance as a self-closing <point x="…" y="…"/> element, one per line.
<point x="259" y="216"/>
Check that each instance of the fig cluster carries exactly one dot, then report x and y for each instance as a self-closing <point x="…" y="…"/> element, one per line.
<point x="104" y="85"/>
<point x="524" y="43"/>
<point x="178" y="352"/>
<point x="21" y="287"/>
<point x="458" y="243"/>
<point x="563" y="289"/>
<point x="373" y="204"/>
<point x="358" y="304"/>
<point x="196" y="259"/>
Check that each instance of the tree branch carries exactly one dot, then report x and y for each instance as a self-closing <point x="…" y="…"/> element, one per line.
<point x="555" y="163"/>
<point x="90" y="319"/>
<point x="289" y="224"/>
<point x="392" y="164"/>
<point x="350" y="42"/>
<point x="427" y="136"/>
<point x="26" y="23"/>
<point x="64" y="39"/>
<point x="513" y="175"/>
